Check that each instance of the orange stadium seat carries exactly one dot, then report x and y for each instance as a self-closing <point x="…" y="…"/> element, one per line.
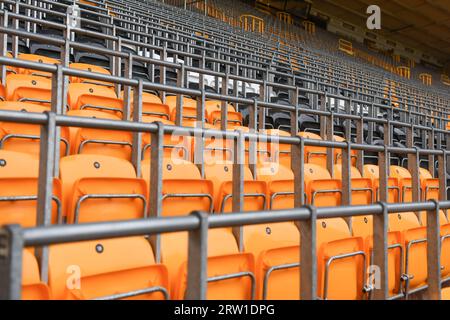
<point x="101" y="188"/>
<point x="97" y="270"/>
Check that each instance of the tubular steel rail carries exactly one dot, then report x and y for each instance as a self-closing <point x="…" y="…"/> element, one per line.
<point x="15" y="238"/>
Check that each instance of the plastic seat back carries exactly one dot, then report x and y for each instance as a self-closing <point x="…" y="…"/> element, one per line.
<point x="39" y="59"/>
<point x="341" y="261"/>
<point x="94" y="97"/>
<point x="28" y="88"/>
<point x="279" y="152"/>
<point x="321" y="189"/>
<point x="338" y="152"/>
<point x="90" y="68"/>
<point x="312" y="154"/>
<point x="280" y="185"/>
<point x="224" y="259"/>
<point x="221" y="176"/>
<point x="101" y="188"/>
<point x="372" y="172"/>
<point x="97" y="270"/>
<point x="189" y="108"/>
<point x="214" y="115"/>
<point x="151" y="105"/>
<point x="404" y="182"/>
<point x="183" y="190"/>
<point x="32" y="286"/>
<point x="23" y="137"/>
<point x="176" y="146"/>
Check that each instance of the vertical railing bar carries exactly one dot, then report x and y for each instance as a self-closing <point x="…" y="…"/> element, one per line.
<point x="156" y="176"/>
<point x="380" y="252"/>
<point x="433" y="253"/>
<point x="238" y="183"/>
<point x="197" y="273"/>
<point x="308" y="257"/>
<point x="136" y="154"/>
<point x="45" y="185"/>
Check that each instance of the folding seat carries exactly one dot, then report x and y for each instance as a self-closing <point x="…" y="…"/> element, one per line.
<point x="430" y="190"/>
<point x="214" y="115"/>
<point x="184" y="190"/>
<point x="280" y="184"/>
<point x="279" y="152"/>
<point x="39" y="59"/>
<point x="94" y="97"/>
<point x="90" y="68"/>
<point x="372" y="172"/>
<point x="231" y="274"/>
<point x="429" y="185"/>
<point x="28" y="88"/>
<point x="101" y="188"/>
<point x="414" y="242"/>
<point x="151" y="105"/>
<point x="215" y="148"/>
<point x="19" y="187"/>
<point x="98" y="141"/>
<point x="338" y="152"/>
<point x="276" y="245"/>
<point x="312" y="154"/>
<point x="404" y="179"/>
<point x="176" y="146"/>
<point x="221" y="174"/>
<point x="362" y="226"/>
<point x="341" y="257"/>
<point x="23" y="137"/>
<point x="109" y="269"/>
<point x="189" y="108"/>
<point x="32" y="286"/>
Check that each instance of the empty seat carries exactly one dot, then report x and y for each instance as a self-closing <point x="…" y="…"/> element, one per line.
<point x="89" y="68"/>
<point x="183" y="190"/>
<point x="39" y="59"/>
<point x="279" y="152"/>
<point x="341" y="257"/>
<point x="338" y="152"/>
<point x="403" y="177"/>
<point x="231" y="274"/>
<point x="107" y="269"/>
<point x="97" y="141"/>
<point x="18" y="190"/>
<point x="95" y="97"/>
<point x="280" y="185"/>
<point x="24" y="137"/>
<point x="214" y="116"/>
<point x="362" y="226"/>
<point x="189" y="108"/>
<point x="175" y="146"/>
<point x="313" y="154"/>
<point x="32" y="286"/>
<point x="221" y="175"/>
<point x="101" y="188"/>
<point x="151" y="105"/>
<point x="28" y="88"/>
<point x="373" y="173"/>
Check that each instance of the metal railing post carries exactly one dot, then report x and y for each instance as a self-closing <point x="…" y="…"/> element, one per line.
<point x="197" y="273"/>
<point x="11" y="246"/>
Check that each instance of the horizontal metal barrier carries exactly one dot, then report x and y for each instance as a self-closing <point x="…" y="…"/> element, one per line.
<point x="14" y="239"/>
